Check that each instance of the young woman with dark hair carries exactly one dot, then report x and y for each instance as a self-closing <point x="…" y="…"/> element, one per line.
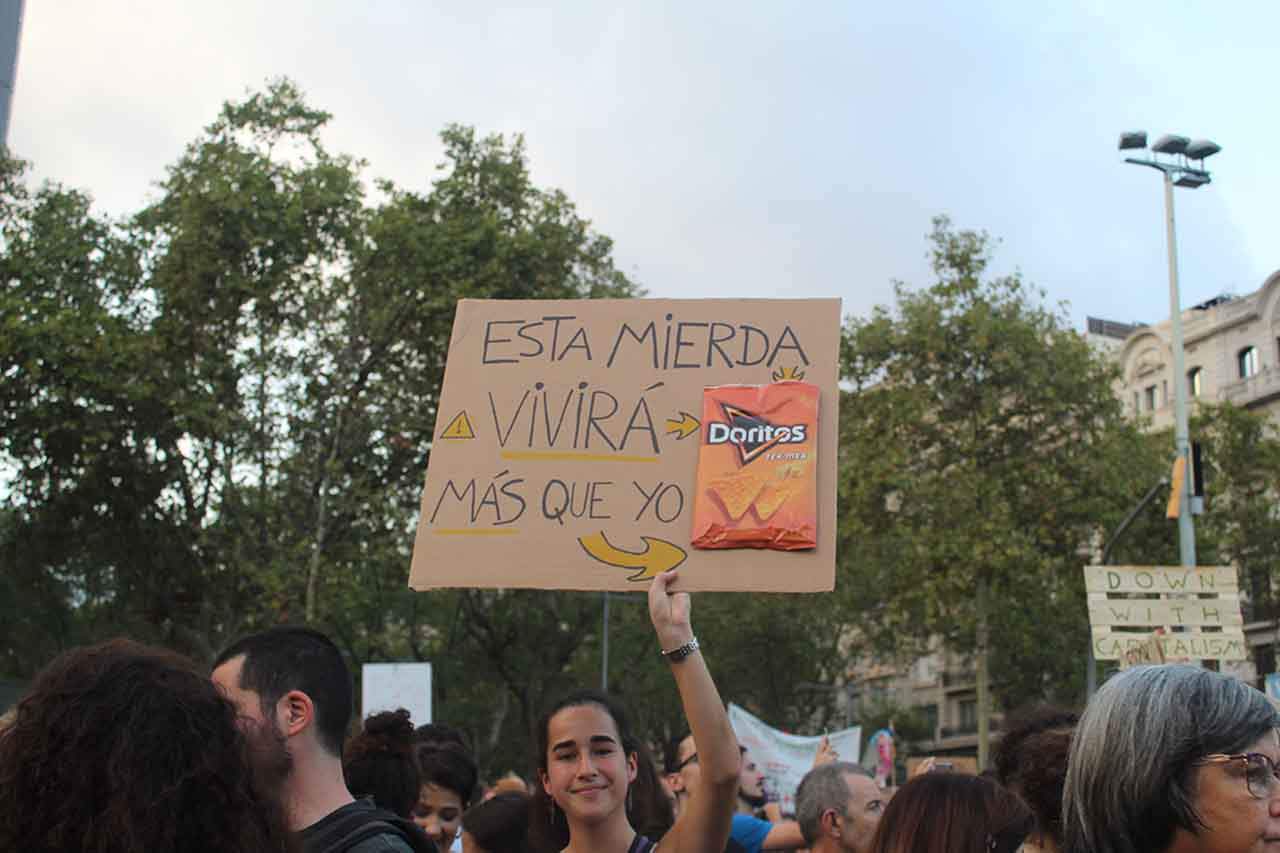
<point x="942" y="812"/>
<point x="447" y="776"/>
<point x="598" y="790"/>
<point x="121" y="747"/>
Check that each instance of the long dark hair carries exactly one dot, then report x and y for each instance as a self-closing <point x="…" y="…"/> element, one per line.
<point x="648" y="808"/>
<point x="944" y="812"/>
<point x="123" y="747"/>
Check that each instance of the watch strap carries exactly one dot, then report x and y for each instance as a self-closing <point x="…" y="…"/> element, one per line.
<point x="679" y="653"/>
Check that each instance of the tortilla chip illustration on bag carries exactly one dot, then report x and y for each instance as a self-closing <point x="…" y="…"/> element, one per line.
<point x="757" y="481"/>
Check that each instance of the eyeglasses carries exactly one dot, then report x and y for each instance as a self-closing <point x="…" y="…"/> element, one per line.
<point x="692" y="759"/>
<point x="1261" y="775"/>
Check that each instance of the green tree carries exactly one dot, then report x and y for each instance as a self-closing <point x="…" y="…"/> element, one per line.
<point x="1242" y="511"/>
<point x="982" y="447"/>
<point x="217" y="412"/>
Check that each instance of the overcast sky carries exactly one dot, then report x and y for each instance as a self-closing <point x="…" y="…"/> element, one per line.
<point x="732" y="149"/>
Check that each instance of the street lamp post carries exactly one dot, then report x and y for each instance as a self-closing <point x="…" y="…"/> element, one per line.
<point x="1184" y="167"/>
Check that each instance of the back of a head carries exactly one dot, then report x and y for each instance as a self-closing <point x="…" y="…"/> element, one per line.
<point x="1031" y="761"/>
<point x="379" y="762"/>
<point x="499" y="824"/>
<point x="124" y="747"/>
<point x="1130" y="773"/>
<point x="290" y="657"/>
<point x="436" y="734"/>
<point x="943" y="812"/>
<point x="824" y="787"/>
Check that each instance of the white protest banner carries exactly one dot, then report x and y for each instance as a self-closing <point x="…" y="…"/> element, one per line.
<point x="785" y="758"/>
<point x="388" y="686"/>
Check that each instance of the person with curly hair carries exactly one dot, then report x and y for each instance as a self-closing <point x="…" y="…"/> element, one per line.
<point x="378" y="763"/>
<point x="1031" y="761"/>
<point x="125" y="748"/>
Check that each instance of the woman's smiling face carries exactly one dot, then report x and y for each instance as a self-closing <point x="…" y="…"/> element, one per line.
<point x="588" y="771"/>
<point x="438" y="812"/>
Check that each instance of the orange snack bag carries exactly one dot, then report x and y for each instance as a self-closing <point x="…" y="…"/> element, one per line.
<point x="757" y="473"/>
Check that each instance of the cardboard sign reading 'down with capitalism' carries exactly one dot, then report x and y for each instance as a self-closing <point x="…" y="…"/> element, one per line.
<point x="566" y="445"/>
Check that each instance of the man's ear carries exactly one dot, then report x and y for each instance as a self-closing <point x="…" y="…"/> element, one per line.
<point x="295" y="712"/>
<point x="830" y="823"/>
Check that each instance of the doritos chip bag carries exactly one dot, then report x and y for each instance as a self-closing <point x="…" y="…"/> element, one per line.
<point x="757" y="467"/>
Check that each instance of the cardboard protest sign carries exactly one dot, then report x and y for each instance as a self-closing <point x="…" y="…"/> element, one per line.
<point x="1180" y="602"/>
<point x="566" y="444"/>
<point x="786" y="758"/>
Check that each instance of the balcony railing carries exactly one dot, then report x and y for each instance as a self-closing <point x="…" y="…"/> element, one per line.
<point x="960" y="678"/>
<point x="1261" y="386"/>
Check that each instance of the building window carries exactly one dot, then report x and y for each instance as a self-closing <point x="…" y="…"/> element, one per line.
<point x="1164" y="392"/>
<point x="1247" y="362"/>
<point x="1193" y="381"/>
<point x="1151" y="398"/>
<point x="931" y="719"/>
<point x="968" y="715"/>
<point x="1135" y="403"/>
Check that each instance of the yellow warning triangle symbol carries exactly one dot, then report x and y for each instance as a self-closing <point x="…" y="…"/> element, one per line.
<point x="459" y="427"/>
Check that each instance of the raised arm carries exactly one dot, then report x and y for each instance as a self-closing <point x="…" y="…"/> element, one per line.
<point x="703" y="825"/>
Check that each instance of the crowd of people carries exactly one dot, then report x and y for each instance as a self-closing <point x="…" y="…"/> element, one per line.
<point x="123" y="748"/>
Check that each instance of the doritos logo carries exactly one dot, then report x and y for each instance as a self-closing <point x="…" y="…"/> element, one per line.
<point x="751" y="434"/>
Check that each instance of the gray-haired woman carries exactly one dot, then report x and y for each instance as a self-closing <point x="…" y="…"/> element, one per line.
<point x="1173" y="759"/>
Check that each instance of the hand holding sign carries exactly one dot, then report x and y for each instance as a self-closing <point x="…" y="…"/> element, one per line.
<point x="669" y="612"/>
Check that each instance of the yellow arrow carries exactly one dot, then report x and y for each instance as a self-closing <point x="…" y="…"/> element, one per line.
<point x="658" y="555"/>
<point x="686" y="426"/>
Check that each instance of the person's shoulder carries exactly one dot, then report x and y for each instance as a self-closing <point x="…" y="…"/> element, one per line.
<point x="748" y="831"/>
<point x="360" y="827"/>
<point x="383" y="842"/>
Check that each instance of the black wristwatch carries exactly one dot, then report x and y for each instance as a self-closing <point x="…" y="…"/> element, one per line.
<point x="679" y="653"/>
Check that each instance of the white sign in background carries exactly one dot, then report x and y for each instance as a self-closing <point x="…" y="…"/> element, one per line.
<point x="785" y="758"/>
<point x="388" y="686"/>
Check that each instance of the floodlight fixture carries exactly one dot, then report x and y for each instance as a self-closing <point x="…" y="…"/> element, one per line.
<point x="1202" y="148"/>
<point x="1133" y="139"/>
<point x="1171" y="143"/>
<point x="1192" y="179"/>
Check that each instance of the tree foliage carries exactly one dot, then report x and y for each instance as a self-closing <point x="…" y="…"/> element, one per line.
<point x="216" y="414"/>
<point x="982" y="444"/>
